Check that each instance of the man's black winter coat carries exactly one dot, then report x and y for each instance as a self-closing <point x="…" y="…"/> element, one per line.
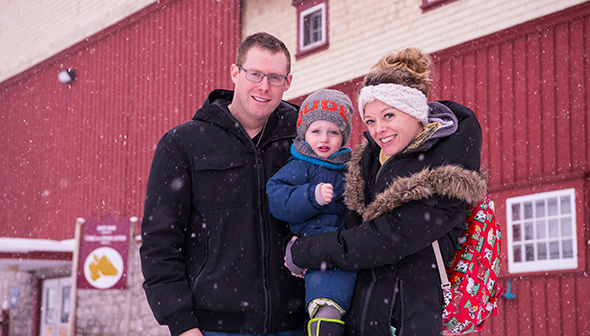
<point x="212" y="256"/>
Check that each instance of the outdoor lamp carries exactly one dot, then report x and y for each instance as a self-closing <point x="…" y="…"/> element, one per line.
<point x="66" y="76"/>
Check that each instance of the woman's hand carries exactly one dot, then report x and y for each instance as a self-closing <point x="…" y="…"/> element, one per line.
<point x="295" y="270"/>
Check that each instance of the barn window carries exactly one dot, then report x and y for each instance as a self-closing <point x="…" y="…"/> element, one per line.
<point x="541" y="232"/>
<point x="312" y="26"/>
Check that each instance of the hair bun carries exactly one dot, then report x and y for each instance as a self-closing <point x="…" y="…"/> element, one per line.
<point x="410" y="67"/>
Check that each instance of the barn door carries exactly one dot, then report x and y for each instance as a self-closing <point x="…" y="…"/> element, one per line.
<point x="55" y="308"/>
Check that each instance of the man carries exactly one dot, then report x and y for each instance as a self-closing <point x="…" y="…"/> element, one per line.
<point x="212" y="255"/>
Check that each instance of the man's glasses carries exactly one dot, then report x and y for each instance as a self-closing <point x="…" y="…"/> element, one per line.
<point x="257" y="77"/>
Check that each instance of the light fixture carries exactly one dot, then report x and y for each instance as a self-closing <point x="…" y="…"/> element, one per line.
<point x="66" y="76"/>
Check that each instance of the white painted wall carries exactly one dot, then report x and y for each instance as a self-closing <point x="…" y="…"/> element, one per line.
<point x="33" y="31"/>
<point x="361" y="31"/>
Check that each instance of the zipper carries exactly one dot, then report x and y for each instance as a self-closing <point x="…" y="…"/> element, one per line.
<point x="265" y="220"/>
<point x="263" y="239"/>
<point x="259" y="168"/>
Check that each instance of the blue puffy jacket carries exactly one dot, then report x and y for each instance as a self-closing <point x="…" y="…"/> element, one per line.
<point x="291" y="196"/>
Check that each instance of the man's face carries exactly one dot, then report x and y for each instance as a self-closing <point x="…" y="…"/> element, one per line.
<point x="256" y="101"/>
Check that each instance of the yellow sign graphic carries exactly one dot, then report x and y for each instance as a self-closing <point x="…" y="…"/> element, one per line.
<point x="103" y="267"/>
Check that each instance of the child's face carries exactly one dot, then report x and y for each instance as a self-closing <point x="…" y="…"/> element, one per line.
<point x="324" y="137"/>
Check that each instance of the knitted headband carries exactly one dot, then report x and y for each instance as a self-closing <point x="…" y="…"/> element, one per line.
<point x="404" y="98"/>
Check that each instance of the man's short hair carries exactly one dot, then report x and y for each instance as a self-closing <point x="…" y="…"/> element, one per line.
<point x="264" y="41"/>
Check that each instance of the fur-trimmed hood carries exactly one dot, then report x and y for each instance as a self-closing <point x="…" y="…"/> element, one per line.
<point x="447" y="180"/>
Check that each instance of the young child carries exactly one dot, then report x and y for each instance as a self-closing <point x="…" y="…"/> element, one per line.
<point x="307" y="193"/>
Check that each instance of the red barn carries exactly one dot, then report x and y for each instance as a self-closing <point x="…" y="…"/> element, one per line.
<point x="84" y="148"/>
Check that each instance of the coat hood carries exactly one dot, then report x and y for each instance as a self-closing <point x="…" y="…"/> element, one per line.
<point x="447" y="180"/>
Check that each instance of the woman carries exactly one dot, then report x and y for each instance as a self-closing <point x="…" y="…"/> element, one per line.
<point x="407" y="185"/>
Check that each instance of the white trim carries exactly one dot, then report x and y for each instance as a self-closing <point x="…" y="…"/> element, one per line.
<point x="25" y="245"/>
<point x="529" y="224"/>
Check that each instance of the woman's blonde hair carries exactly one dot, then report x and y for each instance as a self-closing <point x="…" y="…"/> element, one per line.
<point x="409" y="67"/>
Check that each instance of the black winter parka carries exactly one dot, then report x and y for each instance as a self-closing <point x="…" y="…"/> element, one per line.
<point x="399" y="209"/>
<point x="212" y="256"/>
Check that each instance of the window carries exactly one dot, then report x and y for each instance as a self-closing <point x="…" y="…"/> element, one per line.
<point x="65" y="304"/>
<point x="541" y="230"/>
<point x="312" y="26"/>
<point x="50" y="300"/>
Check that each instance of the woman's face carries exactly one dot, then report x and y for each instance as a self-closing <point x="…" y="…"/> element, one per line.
<point x="391" y="128"/>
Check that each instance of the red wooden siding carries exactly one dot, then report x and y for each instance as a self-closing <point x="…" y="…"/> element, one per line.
<point x="69" y="152"/>
<point x="530" y="89"/>
<point x="528" y="86"/>
<point x="556" y="300"/>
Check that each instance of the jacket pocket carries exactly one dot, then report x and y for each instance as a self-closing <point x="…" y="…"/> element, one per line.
<point x="397" y="307"/>
<point x="195" y="276"/>
<point x="385" y="299"/>
<point x="219" y="182"/>
<point x="380" y="291"/>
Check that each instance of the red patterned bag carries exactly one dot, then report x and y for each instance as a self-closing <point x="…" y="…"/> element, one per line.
<point x="470" y="290"/>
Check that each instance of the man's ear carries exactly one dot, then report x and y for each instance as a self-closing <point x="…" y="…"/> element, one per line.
<point x="234" y="71"/>
<point x="288" y="82"/>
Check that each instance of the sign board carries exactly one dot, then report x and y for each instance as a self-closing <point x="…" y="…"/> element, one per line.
<point x="104" y="248"/>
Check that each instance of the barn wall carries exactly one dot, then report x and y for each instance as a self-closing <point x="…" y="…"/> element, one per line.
<point x="528" y="86"/>
<point x="74" y="151"/>
<point x="33" y="31"/>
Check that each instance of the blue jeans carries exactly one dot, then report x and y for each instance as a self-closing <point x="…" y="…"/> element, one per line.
<point x="296" y="332"/>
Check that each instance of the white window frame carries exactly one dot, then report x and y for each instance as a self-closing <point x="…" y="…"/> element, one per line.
<point x="324" y="25"/>
<point x="529" y="221"/>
